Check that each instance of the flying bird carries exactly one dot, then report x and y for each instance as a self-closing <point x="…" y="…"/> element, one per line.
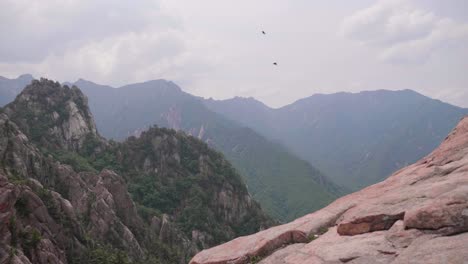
<point x="263" y="32"/>
<point x="274" y="63"/>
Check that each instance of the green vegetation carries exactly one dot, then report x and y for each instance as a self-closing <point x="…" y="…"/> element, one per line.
<point x="162" y="253"/>
<point x="170" y="175"/>
<point x="17" y="180"/>
<point x="22" y="207"/>
<point x="322" y="230"/>
<point x="98" y="253"/>
<point x="185" y="183"/>
<point x="284" y="185"/>
<point x="356" y="139"/>
<point x="102" y="254"/>
<point x="52" y="207"/>
<point x="78" y="162"/>
<point x="48" y="112"/>
<point x="312" y="236"/>
<point x="30" y="239"/>
<point x="255" y="259"/>
<point x="13" y="231"/>
<point x="147" y="212"/>
<point x="13" y="252"/>
<point x="167" y="173"/>
<point x="106" y="256"/>
<point x="27" y="239"/>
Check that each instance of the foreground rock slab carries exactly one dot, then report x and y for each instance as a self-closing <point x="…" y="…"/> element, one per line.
<point x="418" y="215"/>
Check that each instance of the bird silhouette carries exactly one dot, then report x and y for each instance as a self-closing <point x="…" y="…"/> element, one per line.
<point x="274" y="63"/>
<point x="263" y="32"/>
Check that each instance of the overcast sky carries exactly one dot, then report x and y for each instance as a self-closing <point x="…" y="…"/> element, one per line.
<point x="214" y="48"/>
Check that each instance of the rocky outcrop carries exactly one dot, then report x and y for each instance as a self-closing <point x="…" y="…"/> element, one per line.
<point x="49" y="212"/>
<point x="228" y="209"/>
<point x="65" y="195"/>
<point x="40" y="225"/>
<point x="418" y="215"/>
<point x="53" y="116"/>
<point x="56" y="223"/>
<point x="29" y="233"/>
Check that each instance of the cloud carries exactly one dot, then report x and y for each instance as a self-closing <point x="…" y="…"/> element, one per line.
<point x="126" y="58"/>
<point x="34" y="30"/>
<point x="403" y="32"/>
<point x="121" y="41"/>
<point x="215" y="49"/>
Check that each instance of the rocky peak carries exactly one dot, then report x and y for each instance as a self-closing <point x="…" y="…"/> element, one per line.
<point x="69" y="196"/>
<point x="53" y="115"/>
<point x="418" y="215"/>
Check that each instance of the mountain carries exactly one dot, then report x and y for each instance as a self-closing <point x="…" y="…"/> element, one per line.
<point x="417" y="215"/>
<point x="271" y="172"/>
<point x="9" y="88"/>
<point x="285" y="186"/>
<point x="356" y="139"/>
<point x="68" y="195"/>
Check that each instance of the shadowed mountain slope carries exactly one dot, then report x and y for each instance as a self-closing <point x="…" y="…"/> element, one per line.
<point x="356" y="139"/>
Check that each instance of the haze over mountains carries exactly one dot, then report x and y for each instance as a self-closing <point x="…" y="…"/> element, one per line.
<point x="9" y="88"/>
<point x="287" y="155"/>
<point x="357" y="139"/>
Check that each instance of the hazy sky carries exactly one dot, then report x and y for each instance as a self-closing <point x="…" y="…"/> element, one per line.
<point x="214" y="48"/>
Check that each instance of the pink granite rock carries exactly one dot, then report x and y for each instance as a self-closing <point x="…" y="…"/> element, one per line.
<point x="404" y="219"/>
<point x="368" y="224"/>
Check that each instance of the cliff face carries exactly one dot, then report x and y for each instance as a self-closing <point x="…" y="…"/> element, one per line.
<point x="52" y="115"/>
<point x="418" y="215"/>
<point x="69" y="196"/>
<point x="52" y="214"/>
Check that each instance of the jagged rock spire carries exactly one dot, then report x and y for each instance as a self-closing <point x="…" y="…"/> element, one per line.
<point x="53" y="115"/>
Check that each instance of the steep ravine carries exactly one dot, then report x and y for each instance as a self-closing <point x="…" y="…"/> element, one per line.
<point x="418" y="215"/>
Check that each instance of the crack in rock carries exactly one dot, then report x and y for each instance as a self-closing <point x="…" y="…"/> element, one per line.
<point x="368" y="224"/>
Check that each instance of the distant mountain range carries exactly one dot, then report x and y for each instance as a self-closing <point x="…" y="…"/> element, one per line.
<point x="355" y="139"/>
<point x="9" y="88"/>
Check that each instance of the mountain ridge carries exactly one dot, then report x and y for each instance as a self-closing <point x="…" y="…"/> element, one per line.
<point x="355" y="138"/>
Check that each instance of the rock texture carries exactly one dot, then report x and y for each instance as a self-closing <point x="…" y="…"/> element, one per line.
<point x="418" y="215"/>
<point x="52" y="115"/>
<point x="66" y="192"/>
